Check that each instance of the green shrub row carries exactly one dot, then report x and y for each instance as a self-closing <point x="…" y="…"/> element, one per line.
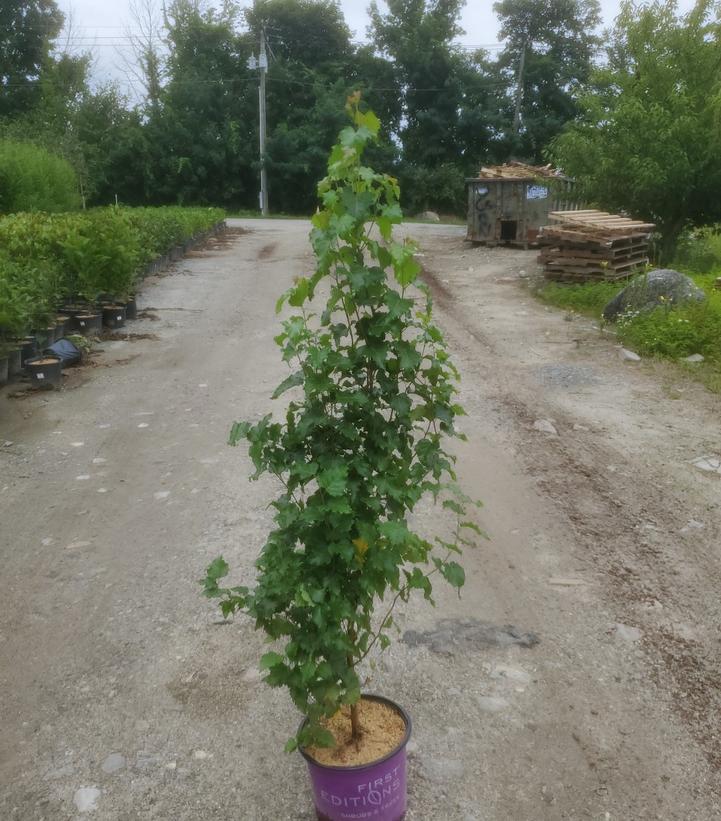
<point x="33" y="179"/>
<point x="47" y="258"/>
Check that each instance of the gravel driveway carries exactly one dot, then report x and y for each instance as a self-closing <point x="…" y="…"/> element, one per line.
<point x="577" y="677"/>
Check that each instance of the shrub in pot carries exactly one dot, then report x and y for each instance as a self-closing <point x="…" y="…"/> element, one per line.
<point x="363" y="440"/>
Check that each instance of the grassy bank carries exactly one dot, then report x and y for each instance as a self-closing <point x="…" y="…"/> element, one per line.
<point x="667" y="332"/>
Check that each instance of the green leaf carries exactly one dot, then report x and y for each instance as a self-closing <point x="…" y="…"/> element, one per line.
<point x="216" y="570"/>
<point x="293" y="381"/>
<point x="369" y="121"/>
<point x="401" y="404"/>
<point x="291" y="745"/>
<point x="454" y="574"/>
<point x="270" y="660"/>
<point x="451" y="504"/>
<point x="357" y="205"/>
<point x="333" y="480"/>
<point x="474" y="527"/>
<point x="299" y="293"/>
<point x="238" y="431"/>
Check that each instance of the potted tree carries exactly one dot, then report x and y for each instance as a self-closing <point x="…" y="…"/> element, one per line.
<point x="363" y="440"/>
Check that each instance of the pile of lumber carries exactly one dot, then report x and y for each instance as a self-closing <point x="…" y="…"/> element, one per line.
<point x="588" y="245"/>
<point x="517" y="171"/>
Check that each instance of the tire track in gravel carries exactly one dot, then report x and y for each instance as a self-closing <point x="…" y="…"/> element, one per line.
<point x="638" y="573"/>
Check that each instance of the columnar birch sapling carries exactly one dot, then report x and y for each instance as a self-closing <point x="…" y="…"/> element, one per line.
<point x="355" y="453"/>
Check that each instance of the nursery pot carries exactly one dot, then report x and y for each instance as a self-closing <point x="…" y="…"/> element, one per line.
<point x="88" y="324"/>
<point x="113" y="316"/>
<point x="45" y="371"/>
<point x="4" y="363"/>
<point x="72" y="309"/>
<point x="376" y="790"/>
<point x="61" y="326"/>
<point x="15" y="362"/>
<point x="131" y="309"/>
<point x="28" y="348"/>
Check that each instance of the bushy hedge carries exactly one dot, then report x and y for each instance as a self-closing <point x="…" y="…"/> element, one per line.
<point x="50" y="257"/>
<point x="33" y="179"/>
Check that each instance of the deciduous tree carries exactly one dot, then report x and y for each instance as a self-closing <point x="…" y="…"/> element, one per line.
<point x="648" y="140"/>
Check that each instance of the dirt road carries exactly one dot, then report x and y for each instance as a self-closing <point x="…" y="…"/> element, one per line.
<point x="577" y="677"/>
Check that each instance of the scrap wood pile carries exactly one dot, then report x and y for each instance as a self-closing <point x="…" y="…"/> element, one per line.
<point x="589" y="245"/>
<point x="517" y="171"/>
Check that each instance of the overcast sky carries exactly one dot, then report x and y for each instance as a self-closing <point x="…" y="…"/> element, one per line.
<point x="102" y="24"/>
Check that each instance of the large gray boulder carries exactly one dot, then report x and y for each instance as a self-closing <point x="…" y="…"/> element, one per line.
<point x="662" y="286"/>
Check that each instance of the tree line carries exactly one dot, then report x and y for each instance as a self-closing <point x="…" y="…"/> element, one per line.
<point x="633" y="115"/>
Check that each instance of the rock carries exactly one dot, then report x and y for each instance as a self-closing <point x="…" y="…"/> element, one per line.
<point x="708" y="464"/>
<point x="113" y="763"/>
<point x="145" y="761"/>
<point x="662" y="286"/>
<point x="507" y="673"/>
<point x="626" y="633"/>
<point x="628" y="356"/>
<point x="545" y="426"/>
<point x="692" y="524"/>
<point x="85" y="799"/>
<point x="201" y="755"/>
<point x="429" y="215"/>
<point x="491" y="704"/>
<point x="695" y="357"/>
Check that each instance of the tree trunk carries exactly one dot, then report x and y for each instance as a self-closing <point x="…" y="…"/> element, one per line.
<point x="355" y="723"/>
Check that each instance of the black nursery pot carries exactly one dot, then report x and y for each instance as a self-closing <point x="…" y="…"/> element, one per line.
<point x="44" y="371"/>
<point x="131" y="309"/>
<point x="15" y="362"/>
<point x="88" y="324"/>
<point x="62" y="324"/>
<point x="28" y="348"/>
<point x="4" y="370"/>
<point x="113" y="316"/>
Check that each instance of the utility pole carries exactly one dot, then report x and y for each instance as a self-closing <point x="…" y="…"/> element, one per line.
<point x="262" y="64"/>
<point x="519" y="91"/>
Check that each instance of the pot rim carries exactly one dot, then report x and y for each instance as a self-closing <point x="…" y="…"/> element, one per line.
<point x="356" y="768"/>
<point x="35" y="359"/>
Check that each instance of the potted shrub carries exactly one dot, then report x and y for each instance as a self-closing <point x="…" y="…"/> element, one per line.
<point x="363" y="440"/>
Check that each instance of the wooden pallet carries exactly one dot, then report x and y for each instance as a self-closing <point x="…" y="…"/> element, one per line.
<point x="610" y="256"/>
<point x="593" y="220"/>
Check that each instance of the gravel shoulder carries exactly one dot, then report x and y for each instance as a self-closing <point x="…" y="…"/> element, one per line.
<point x="578" y="675"/>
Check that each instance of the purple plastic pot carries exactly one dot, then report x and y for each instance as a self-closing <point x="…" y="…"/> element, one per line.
<point x="376" y="791"/>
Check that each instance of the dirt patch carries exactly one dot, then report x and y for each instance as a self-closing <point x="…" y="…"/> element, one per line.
<point x="147" y="313"/>
<point x="267" y="251"/>
<point x="382" y="731"/>
<point x="128" y="337"/>
<point x="213" y="692"/>
<point x="228" y="238"/>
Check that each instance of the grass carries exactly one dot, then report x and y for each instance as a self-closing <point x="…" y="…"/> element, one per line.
<point x="589" y="298"/>
<point x="666" y="332"/>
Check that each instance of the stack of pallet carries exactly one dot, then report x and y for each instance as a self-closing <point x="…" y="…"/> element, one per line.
<point x="583" y="246"/>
